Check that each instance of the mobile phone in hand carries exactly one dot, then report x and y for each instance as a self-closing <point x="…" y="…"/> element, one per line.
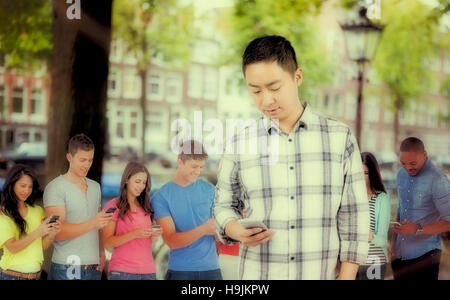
<point x="111" y="210"/>
<point x="156" y="227"/>
<point x="395" y="223"/>
<point x="53" y="219"/>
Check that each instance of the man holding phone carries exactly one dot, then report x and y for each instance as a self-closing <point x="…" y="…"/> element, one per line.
<point x="424" y="213"/>
<point x="183" y="208"/>
<point x="78" y="248"/>
<point x="311" y="191"/>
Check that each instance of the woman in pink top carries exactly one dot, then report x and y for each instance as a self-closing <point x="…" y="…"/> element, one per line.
<point x="130" y="230"/>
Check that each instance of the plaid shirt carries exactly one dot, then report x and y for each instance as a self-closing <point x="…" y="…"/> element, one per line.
<point x="312" y="193"/>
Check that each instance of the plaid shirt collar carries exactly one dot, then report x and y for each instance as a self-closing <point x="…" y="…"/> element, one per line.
<point x="307" y="118"/>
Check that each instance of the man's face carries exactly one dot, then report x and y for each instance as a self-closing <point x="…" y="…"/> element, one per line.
<point x="191" y="169"/>
<point x="274" y="90"/>
<point x="413" y="161"/>
<point x="81" y="162"/>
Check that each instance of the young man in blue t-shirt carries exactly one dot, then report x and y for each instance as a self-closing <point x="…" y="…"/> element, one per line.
<point x="183" y="209"/>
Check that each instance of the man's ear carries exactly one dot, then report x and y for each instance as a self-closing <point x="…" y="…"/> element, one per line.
<point x="69" y="157"/>
<point x="298" y="76"/>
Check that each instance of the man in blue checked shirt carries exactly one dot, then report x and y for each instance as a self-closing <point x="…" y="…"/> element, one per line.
<point x="424" y="212"/>
<point x="308" y="190"/>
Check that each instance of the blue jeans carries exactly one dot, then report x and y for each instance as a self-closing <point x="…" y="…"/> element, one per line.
<point x="4" y="276"/>
<point x="194" y="275"/>
<point x="115" y="275"/>
<point x="71" y="272"/>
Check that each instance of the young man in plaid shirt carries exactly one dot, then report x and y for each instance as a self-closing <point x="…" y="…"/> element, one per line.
<point x="309" y="190"/>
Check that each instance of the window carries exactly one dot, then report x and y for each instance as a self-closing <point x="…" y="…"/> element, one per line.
<point x="155" y="86"/>
<point x="372" y="109"/>
<point x="131" y="85"/>
<point x="119" y="130"/>
<point x="18" y="100"/>
<point x="114" y="83"/>
<point x="195" y="82"/>
<point x="350" y="107"/>
<point x="174" y="88"/>
<point x="338" y="106"/>
<point x="37" y="102"/>
<point x="211" y="83"/>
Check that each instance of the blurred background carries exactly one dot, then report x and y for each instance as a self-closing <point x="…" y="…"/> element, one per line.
<point x="122" y="71"/>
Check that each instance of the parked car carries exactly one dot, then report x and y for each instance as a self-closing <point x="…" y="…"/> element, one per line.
<point x="31" y="154"/>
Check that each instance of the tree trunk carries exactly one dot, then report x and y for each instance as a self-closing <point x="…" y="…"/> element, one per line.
<point x="397" y="108"/>
<point x="79" y="73"/>
<point x="143" y="75"/>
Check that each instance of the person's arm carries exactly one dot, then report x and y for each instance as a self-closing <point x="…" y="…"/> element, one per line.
<point x="383" y="221"/>
<point x="408" y="228"/>
<point x="113" y="241"/>
<point x="348" y="271"/>
<point x="228" y="202"/>
<point x="15" y="246"/>
<point x="48" y="239"/>
<point x="353" y="219"/>
<point x="177" y="240"/>
<point x="249" y="237"/>
<point x="71" y="231"/>
<point x="441" y="198"/>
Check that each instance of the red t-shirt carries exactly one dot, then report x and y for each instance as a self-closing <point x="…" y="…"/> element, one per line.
<point x="228" y="249"/>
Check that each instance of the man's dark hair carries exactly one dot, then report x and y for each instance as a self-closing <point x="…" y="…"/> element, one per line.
<point x="412" y="144"/>
<point x="268" y="49"/>
<point x="80" y="141"/>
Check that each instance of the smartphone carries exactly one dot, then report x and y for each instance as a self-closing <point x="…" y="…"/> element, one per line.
<point x="156" y="227"/>
<point x="53" y="219"/>
<point x="395" y="223"/>
<point x="111" y="210"/>
<point x="249" y="224"/>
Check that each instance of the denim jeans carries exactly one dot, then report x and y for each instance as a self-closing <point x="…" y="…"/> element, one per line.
<point x="115" y="275"/>
<point x="194" y="275"/>
<point x="4" y="276"/>
<point x="71" y="272"/>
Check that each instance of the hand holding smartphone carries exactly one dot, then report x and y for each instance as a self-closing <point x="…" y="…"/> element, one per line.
<point x="393" y="223"/>
<point x="111" y="210"/>
<point x="250" y="224"/>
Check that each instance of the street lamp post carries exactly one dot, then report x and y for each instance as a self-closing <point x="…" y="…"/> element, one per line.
<point x="361" y="39"/>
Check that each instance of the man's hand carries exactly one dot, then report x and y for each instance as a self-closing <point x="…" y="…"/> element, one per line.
<point x="209" y="227"/>
<point x="406" y="228"/>
<point x="102" y="219"/>
<point x="249" y="237"/>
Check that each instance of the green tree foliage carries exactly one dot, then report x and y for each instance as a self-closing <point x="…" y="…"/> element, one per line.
<point x="411" y="41"/>
<point x="151" y="28"/>
<point x="25" y="32"/>
<point x="295" y="20"/>
<point x="154" y="27"/>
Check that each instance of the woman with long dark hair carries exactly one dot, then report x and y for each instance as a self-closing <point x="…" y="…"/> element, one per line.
<point x="380" y="213"/>
<point x="23" y="233"/>
<point x="130" y="231"/>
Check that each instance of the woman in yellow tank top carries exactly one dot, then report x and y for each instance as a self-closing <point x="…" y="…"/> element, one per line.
<point x="24" y="233"/>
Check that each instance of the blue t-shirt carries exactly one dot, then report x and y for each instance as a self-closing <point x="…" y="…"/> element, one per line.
<point x="423" y="199"/>
<point x="189" y="207"/>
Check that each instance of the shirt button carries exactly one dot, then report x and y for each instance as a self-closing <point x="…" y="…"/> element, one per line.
<point x="292" y="168"/>
<point x="292" y="197"/>
<point x="292" y="227"/>
<point x="292" y="258"/>
<point x="290" y="140"/>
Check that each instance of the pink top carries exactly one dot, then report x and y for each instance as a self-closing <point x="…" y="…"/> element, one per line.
<point x="135" y="256"/>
